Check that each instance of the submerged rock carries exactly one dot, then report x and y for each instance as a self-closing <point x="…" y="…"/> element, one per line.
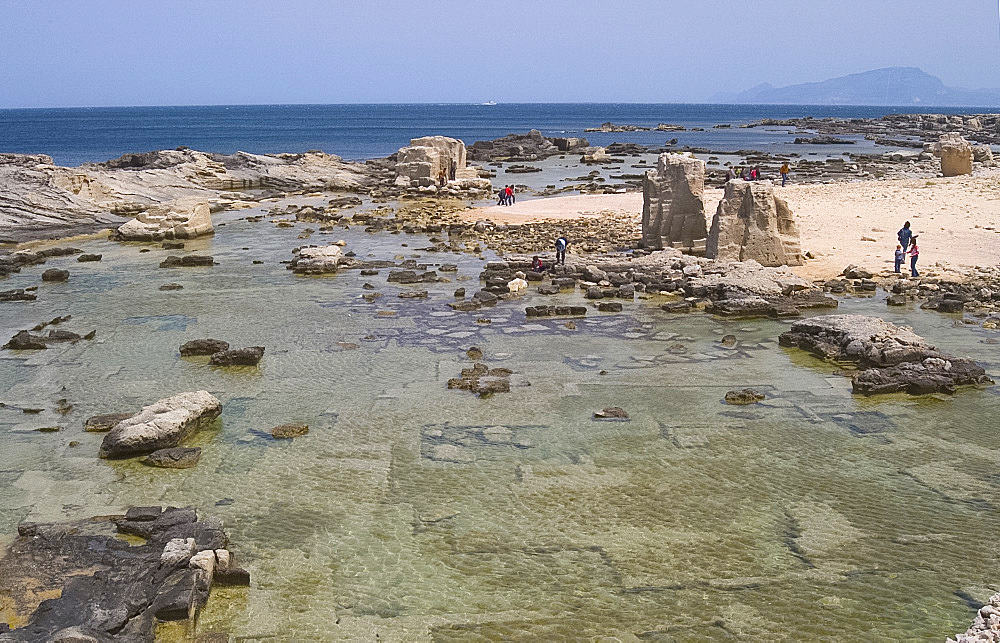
<point x="25" y="341"/>
<point x="288" y="431"/>
<point x="894" y="358"/>
<point x="107" y="589"/>
<point x="105" y="422"/>
<point x="249" y="356"/>
<point x="89" y="257"/>
<point x="161" y="425"/>
<point x="173" y="458"/>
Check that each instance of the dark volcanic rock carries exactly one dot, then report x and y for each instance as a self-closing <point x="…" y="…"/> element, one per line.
<point x="105" y="588"/>
<point x="174" y="458"/>
<point x="249" y="356"/>
<point x="85" y="258"/>
<point x="204" y="347"/>
<point x="895" y="359"/>
<point x="17" y="295"/>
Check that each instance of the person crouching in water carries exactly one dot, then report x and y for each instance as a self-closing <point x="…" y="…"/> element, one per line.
<point x="914" y="253"/>
<point x="561" y="244"/>
<point x="537" y="265"/>
<point x="900" y="257"/>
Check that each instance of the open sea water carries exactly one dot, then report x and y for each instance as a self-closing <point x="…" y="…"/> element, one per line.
<point x="80" y="135"/>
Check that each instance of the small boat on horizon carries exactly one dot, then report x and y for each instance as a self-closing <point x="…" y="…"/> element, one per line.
<point x="492" y="102"/>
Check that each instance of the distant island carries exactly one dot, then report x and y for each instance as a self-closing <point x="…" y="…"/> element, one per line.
<point x="887" y="86"/>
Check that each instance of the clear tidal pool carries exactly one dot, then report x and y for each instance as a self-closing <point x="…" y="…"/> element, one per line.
<point x="419" y="513"/>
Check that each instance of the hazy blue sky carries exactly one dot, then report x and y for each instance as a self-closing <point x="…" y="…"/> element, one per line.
<point x="117" y="52"/>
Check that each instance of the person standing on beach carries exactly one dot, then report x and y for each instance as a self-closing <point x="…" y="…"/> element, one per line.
<point x="730" y="175"/>
<point x="914" y="253"/>
<point x="502" y="196"/>
<point x="904" y="235"/>
<point x="561" y="244"/>
<point x="900" y="257"/>
<point x="510" y="195"/>
<point x="784" y="173"/>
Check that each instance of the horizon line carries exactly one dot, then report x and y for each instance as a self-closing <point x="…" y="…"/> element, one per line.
<point x="481" y="104"/>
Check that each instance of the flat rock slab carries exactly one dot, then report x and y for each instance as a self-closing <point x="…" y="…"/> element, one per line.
<point x="286" y="431"/>
<point x="105" y="422"/>
<point x="203" y="347"/>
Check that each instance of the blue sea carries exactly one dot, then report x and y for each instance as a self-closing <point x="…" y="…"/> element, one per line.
<point x="73" y="136"/>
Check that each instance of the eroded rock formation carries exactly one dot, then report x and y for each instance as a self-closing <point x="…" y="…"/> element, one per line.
<point x="894" y="359"/>
<point x="956" y="154"/>
<point x="752" y="223"/>
<point x="159" y="223"/>
<point x="428" y="158"/>
<point x="673" y="204"/>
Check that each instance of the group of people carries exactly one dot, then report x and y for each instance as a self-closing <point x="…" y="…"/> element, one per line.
<point x="505" y="196"/>
<point x="907" y="246"/>
<point x="754" y="174"/>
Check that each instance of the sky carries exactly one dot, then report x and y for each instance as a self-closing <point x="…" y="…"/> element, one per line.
<point x="62" y="53"/>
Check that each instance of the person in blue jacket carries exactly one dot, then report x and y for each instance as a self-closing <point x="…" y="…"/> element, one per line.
<point x="904" y="235"/>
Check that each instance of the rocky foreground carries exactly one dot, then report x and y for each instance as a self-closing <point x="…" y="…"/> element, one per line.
<point x="83" y="582"/>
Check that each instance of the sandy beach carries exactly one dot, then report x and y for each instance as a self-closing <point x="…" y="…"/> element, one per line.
<point x="957" y="219"/>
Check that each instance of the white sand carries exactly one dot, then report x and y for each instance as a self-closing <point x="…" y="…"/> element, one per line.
<point x="957" y="219"/>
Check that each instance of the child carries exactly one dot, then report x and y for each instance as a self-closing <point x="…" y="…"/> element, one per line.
<point x="537" y="265"/>
<point x="900" y="257"/>
<point x="914" y="253"/>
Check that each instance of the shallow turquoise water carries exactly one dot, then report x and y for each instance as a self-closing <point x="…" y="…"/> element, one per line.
<point x="416" y="513"/>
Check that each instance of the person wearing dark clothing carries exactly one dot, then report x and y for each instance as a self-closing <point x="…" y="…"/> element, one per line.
<point x="502" y="196"/>
<point x="904" y="235"/>
<point x="561" y="244"/>
<point x="914" y="253"/>
<point x="537" y="265"/>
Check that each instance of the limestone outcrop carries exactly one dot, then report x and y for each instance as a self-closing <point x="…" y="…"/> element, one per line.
<point x="428" y="158"/>
<point x="752" y="223"/>
<point x="161" y="425"/>
<point x="157" y="224"/>
<point x="956" y="154"/>
<point x="673" y="204"/>
<point x="893" y="358"/>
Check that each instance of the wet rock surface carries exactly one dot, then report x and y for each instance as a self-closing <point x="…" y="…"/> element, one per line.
<point x="744" y="397"/>
<point x="986" y="626"/>
<point x="249" y="356"/>
<point x="288" y="431"/>
<point x="203" y="347"/>
<point x="105" y="589"/>
<point x="187" y="261"/>
<point x="894" y="359"/>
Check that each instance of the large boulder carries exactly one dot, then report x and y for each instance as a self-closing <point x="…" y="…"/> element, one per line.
<point x="956" y="154"/>
<point x="752" y="223"/>
<point x="161" y="425"/>
<point x="673" y="204"/>
<point x="158" y="224"/>
<point x="428" y="157"/>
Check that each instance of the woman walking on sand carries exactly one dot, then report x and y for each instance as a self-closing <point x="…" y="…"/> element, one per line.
<point x="914" y="253"/>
